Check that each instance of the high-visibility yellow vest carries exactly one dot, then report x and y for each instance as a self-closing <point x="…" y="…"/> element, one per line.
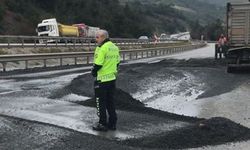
<point x="108" y="57"/>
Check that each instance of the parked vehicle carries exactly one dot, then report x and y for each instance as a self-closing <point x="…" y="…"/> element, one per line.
<point x="238" y="33"/>
<point x="164" y="37"/>
<point x="51" y="28"/>
<point x="143" y="38"/>
<point x="181" y="36"/>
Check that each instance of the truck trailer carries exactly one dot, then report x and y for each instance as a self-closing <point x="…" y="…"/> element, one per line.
<point x="238" y="33"/>
<point x="181" y="36"/>
<point x="51" y="28"/>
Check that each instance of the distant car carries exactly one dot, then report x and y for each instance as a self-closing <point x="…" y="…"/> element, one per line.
<point x="164" y="37"/>
<point x="143" y="39"/>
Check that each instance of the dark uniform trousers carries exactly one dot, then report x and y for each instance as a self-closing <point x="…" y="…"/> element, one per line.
<point x="104" y="95"/>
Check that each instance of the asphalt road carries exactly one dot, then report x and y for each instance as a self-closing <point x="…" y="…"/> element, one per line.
<point x="52" y="110"/>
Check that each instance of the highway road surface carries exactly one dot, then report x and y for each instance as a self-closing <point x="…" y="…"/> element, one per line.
<point x="44" y="111"/>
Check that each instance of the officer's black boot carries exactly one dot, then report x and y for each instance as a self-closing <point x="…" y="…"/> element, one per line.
<point x="100" y="127"/>
<point x="111" y="127"/>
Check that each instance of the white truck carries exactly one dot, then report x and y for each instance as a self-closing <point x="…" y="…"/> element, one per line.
<point x="181" y="36"/>
<point x="51" y="28"/>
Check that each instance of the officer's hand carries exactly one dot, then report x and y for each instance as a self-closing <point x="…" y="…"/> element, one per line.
<point x="118" y="67"/>
<point x="116" y="74"/>
<point x="93" y="72"/>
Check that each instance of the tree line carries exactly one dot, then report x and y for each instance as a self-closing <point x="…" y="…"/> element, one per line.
<point x="129" y="20"/>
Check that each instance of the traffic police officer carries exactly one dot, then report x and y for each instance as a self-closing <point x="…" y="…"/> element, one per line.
<point x="106" y="61"/>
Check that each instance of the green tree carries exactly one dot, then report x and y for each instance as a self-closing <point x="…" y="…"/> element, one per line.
<point x="214" y="30"/>
<point x="2" y="13"/>
<point x="196" y="29"/>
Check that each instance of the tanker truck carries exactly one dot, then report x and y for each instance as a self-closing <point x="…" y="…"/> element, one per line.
<point x="238" y="33"/>
<point x="51" y="28"/>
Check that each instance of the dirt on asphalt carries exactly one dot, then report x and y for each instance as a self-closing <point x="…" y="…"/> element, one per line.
<point x="135" y="81"/>
<point x="20" y="134"/>
<point x="213" y="131"/>
<point x="209" y="76"/>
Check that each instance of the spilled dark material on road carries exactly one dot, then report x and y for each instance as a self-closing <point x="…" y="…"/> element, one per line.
<point x="213" y="131"/>
<point x="201" y="132"/>
<point x="22" y="134"/>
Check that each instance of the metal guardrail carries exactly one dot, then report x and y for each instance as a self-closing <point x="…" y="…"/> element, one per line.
<point x="7" y="41"/>
<point x="125" y="55"/>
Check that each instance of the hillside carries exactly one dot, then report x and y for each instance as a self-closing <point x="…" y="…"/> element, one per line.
<point x="123" y="18"/>
<point x="192" y="9"/>
<point x="222" y="2"/>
